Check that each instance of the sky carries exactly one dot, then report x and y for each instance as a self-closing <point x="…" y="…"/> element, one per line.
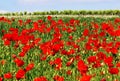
<point x="47" y="5"/>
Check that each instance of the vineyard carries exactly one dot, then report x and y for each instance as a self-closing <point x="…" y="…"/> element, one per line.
<point x="60" y="49"/>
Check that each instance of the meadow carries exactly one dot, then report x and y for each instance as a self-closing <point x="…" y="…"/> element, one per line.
<point x="60" y="49"/>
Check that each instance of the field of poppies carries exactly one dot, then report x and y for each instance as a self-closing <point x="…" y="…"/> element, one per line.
<point x="59" y="49"/>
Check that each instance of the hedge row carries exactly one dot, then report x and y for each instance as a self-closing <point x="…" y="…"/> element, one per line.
<point x="65" y="12"/>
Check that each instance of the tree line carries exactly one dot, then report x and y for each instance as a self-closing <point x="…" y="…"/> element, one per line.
<point x="64" y="12"/>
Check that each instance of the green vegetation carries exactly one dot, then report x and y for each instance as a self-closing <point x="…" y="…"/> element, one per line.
<point x="65" y="12"/>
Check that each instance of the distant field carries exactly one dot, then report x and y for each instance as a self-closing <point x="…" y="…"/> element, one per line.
<point x="60" y="48"/>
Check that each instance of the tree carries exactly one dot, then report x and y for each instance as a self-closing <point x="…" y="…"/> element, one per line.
<point x="21" y="14"/>
<point x="25" y="12"/>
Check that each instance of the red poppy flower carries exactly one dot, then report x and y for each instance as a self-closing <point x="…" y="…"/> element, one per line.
<point x="82" y="67"/>
<point x="69" y="30"/>
<point x="30" y="67"/>
<point x="118" y="64"/>
<point x="6" y="42"/>
<point x="8" y="75"/>
<point x="86" y="32"/>
<point x="97" y="64"/>
<point x="40" y="20"/>
<point x="95" y="25"/>
<point x="108" y="61"/>
<point x="51" y="63"/>
<point x="69" y="43"/>
<point x="19" y="62"/>
<point x="22" y="54"/>
<point x="26" y="48"/>
<point x="56" y="47"/>
<point x="49" y="17"/>
<point x="117" y="20"/>
<point x="86" y="78"/>
<point x="55" y="39"/>
<point x="43" y="57"/>
<point x="64" y="29"/>
<point x="88" y="46"/>
<point x="48" y="30"/>
<point x="71" y="51"/>
<point x="117" y="44"/>
<point x="20" y="74"/>
<point x="60" y="21"/>
<point x="20" y="22"/>
<point x="64" y="52"/>
<point x="105" y="26"/>
<point x="70" y="37"/>
<point x="114" y="70"/>
<point x="72" y="21"/>
<point x="101" y="56"/>
<point x="3" y="62"/>
<point x="103" y="79"/>
<point x="14" y="56"/>
<point x="92" y="59"/>
<point x="68" y="63"/>
<point x="114" y="50"/>
<point x="28" y="21"/>
<point x="42" y="78"/>
<point x="102" y="34"/>
<point x="1" y="79"/>
<point x="46" y="48"/>
<point x="69" y="72"/>
<point x="57" y="60"/>
<point x="117" y="32"/>
<point x="58" y="78"/>
<point x="58" y="66"/>
<point x="71" y="60"/>
<point x="77" y="58"/>
<point x="35" y="25"/>
<point x="58" y="63"/>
